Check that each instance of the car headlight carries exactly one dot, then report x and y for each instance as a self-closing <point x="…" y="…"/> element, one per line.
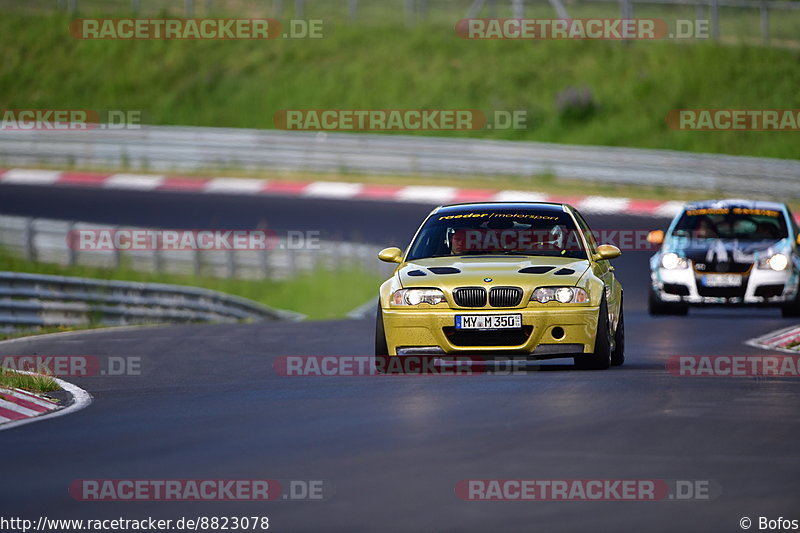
<point x="672" y="261"/>
<point x="774" y="262"/>
<point x="418" y="296"/>
<point x="564" y="295"/>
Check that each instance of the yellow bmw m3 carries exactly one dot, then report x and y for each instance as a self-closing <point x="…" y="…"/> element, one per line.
<point x="499" y="280"/>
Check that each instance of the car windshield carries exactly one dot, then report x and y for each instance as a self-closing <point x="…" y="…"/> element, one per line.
<point x="732" y="223"/>
<point x="499" y="232"/>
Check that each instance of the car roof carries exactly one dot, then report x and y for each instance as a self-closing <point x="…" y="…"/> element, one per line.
<point x="735" y="202"/>
<point x="455" y="209"/>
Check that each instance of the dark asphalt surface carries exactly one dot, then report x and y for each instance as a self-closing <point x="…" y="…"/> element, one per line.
<point x="393" y="448"/>
<point x="372" y="221"/>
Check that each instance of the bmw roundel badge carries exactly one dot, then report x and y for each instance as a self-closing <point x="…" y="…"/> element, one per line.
<point x="487" y="280"/>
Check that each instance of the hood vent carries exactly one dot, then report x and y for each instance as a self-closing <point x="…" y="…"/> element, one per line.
<point x="536" y="270"/>
<point x="444" y="270"/>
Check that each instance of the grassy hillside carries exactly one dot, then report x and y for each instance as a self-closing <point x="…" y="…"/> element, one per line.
<point x="242" y="83"/>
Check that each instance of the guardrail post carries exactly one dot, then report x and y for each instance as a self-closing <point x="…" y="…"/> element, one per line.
<point x="189" y="8"/>
<point x="158" y="262"/>
<point x="299" y="9"/>
<point x="625" y="13"/>
<point x="135" y="5"/>
<point x="765" y="22"/>
<point x="352" y="10"/>
<point x="357" y="253"/>
<point x="263" y="261"/>
<point x="28" y="240"/>
<point x="518" y="8"/>
<point x="197" y="263"/>
<point x="340" y="255"/>
<point x="277" y="8"/>
<point x="209" y="5"/>
<point x="335" y="252"/>
<point x="475" y="8"/>
<point x="715" y="19"/>
<point x="230" y="263"/>
<point x="410" y="14"/>
<point x="368" y="261"/>
<point x="312" y="259"/>
<point x="561" y="10"/>
<point x="70" y="244"/>
<point x="292" y="256"/>
<point x="72" y="5"/>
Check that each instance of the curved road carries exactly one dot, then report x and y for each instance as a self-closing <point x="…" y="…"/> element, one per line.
<point x="209" y="405"/>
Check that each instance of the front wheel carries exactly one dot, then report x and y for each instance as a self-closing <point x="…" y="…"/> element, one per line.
<point x="792" y="309"/>
<point x="600" y="359"/>
<point x="381" y="350"/>
<point x="655" y="306"/>
<point x="618" y="355"/>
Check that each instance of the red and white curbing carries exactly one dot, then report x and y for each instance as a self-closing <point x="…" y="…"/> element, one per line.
<point x="332" y="190"/>
<point x="18" y="407"/>
<point x="17" y="404"/>
<point x="782" y="340"/>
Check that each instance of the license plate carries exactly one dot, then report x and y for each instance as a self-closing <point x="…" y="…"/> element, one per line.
<point x="488" y="321"/>
<point x="721" y="280"/>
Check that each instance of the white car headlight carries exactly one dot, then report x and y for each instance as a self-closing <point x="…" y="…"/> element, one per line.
<point x="672" y="261"/>
<point x="564" y="295"/>
<point x="418" y="296"/>
<point x="774" y="262"/>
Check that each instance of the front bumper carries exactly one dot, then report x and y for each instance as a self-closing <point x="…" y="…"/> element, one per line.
<point x="411" y="331"/>
<point x="758" y="287"/>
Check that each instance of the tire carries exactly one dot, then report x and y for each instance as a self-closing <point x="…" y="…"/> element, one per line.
<point x="600" y="359"/>
<point x="381" y="350"/>
<point x="618" y="355"/>
<point x="792" y="309"/>
<point x="656" y="307"/>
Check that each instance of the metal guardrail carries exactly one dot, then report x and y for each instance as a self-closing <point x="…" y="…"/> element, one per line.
<point x="47" y="241"/>
<point x="35" y="300"/>
<point x="710" y="10"/>
<point x="744" y="20"/>
<point x="170" y="148"/>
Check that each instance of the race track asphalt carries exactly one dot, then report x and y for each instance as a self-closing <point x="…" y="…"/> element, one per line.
<point x="392" y="448"/>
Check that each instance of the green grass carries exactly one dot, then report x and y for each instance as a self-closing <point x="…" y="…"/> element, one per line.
<point x="29" y="382"/>
<point x="27" y="332"/>
<point x="323" y="294"/>
<point x="243" y="83"/>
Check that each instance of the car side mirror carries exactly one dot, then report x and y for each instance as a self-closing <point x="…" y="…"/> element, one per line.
<point x="606" y="251"/>
<point x="655" y="237"/>
<point x="391" y="255"/>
